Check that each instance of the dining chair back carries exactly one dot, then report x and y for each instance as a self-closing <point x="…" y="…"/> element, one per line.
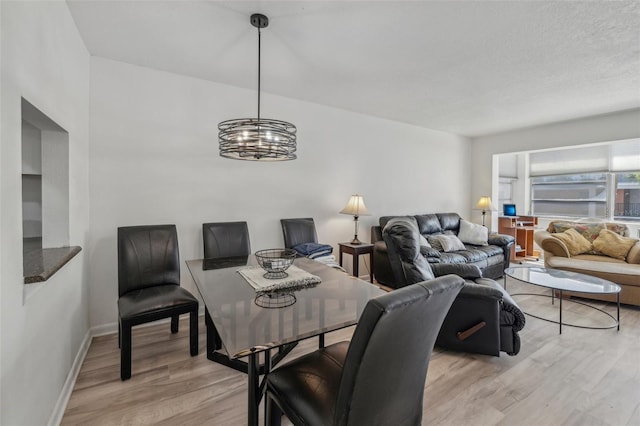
<point x="298" y="231"/>
<point x="225" y="239"/>
<point x="376" y="379"/>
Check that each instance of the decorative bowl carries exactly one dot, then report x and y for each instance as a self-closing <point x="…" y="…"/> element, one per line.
<point x="275" y="261"/>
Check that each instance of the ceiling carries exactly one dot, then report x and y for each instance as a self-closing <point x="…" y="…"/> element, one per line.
<point x="471" y="68"/>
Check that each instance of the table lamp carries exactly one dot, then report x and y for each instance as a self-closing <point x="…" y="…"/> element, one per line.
<point x="355" y="207"/>
<point x="484" y="204"/>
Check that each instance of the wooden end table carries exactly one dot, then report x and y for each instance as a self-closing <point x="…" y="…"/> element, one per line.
<point x="355" y="250"/>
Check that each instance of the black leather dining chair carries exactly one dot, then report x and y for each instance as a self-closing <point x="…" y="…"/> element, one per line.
<point x="298" y="231"/>
<point x="149" y="285"/>
<point x="376" y="379"/>
<point x="225" y="239"/>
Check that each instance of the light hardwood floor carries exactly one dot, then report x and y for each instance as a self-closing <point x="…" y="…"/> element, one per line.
<point x="582" y="377"/>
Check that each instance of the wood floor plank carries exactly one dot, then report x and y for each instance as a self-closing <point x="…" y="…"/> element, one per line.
<point x="582" y="377"/>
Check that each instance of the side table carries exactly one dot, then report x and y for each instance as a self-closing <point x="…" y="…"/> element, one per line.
<point x="355" y="250"/>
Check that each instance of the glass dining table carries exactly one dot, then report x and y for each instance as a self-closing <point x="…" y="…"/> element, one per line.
<point x="243" y="324"/>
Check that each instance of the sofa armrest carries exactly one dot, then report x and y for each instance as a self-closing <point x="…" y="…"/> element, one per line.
<point x="460" y="269"/>
<point x="633" y="257"/>
<point x="501" y="240"/>
<point x="551" y="244"/>
<point x="376" y="234"/>
<point x="504" y="241"/>
<point x="480" y="291"/>
<point x="475" y="304"/>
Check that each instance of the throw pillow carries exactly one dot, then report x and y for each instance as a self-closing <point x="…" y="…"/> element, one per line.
<point x="613" y="245"/>
<point x="450" y="243"/>
<point x="472" y="233"/>
<point x="424" y="242"/>
<point x="575" y="242"/>
<point x="435" y="243"/>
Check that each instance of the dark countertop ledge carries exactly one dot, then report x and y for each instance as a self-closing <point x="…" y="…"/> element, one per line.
<point x="41" y="264"/>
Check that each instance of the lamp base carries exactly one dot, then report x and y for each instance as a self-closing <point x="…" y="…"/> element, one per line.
<point x="355" y="241"/>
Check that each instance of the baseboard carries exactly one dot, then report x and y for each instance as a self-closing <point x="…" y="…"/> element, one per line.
<point x="104" y="329"/>
<point x="67" y="388"/>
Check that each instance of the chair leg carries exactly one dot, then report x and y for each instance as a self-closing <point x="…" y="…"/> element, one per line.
<point x="272" y="413"/>
<point x="193" y="332"/>
<point x="125" y="351"/>
<point x="174" y="323"/>
<point x="119" y="333"/>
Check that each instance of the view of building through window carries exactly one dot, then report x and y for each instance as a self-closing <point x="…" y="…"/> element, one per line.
<point x="627" y="196"/>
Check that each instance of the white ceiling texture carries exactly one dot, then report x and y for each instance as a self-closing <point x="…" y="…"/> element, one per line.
<point x="466" y="67"/>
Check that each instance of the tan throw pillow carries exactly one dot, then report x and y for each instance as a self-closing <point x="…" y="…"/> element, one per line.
<point x="613" y="245"/>
<point x="575" y="242"/>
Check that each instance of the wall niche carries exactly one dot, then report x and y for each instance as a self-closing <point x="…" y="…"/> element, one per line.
<point x="45" y="195"/>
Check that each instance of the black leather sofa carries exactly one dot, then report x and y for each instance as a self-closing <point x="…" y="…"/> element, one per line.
<point x="491" y="259"/>
<point x="483" y="319"/>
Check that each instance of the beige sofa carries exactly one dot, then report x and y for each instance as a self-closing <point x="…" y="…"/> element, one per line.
<point x="625" y="272"/>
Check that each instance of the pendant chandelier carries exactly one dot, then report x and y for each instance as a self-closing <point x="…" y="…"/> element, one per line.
<point x="257" y="139"/>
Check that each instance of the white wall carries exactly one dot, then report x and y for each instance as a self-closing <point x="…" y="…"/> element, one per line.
<point x="154" y="159"/>
<point x="602" y="128"/>
<point x="44" y="61"/>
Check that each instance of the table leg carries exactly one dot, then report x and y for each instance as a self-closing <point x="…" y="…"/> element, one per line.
<point x="560" y="322"/>
<point x="340" y="256"/>
<point x="371" y="266"/>
<point x="254" y="390"/>
<point x="356" y="273"/>
<point x="618" y="302"/>
<point x="267" y="368"/>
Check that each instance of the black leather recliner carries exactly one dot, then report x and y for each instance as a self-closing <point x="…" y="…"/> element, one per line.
<point x="483" y="319"/>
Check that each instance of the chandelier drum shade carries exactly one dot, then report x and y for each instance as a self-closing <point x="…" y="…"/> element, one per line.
<point x="257" y="139"/>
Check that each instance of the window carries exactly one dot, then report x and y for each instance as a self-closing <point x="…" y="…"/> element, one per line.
<point x="627" y="196"/>
<point x="601" y="181"/>
<point x="581" y="195"/>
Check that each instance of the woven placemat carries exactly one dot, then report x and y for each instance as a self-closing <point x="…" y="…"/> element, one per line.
<point x="297" y="278"/>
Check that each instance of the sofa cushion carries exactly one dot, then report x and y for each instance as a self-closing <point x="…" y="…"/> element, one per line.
<point x="428" y="224"/>
<point x="449" y="221"/>
<point x="472" y="233"/>
<point x="589" y="231"/>
<point x="575" y="242"/>
<point x="453" y="257"/>
<point x="473" y="255"/>
<point x="613" y="245"/>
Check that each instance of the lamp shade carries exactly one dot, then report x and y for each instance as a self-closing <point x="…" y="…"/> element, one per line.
<point x="355" y="206"/>
<point x="484" y="203"/>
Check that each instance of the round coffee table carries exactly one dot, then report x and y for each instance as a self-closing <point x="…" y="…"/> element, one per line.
<point x="556" y="279"/>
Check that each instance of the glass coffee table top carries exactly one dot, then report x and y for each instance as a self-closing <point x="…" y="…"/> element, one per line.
<point x="558" y="280"/>
<point x="563" y="280"/>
